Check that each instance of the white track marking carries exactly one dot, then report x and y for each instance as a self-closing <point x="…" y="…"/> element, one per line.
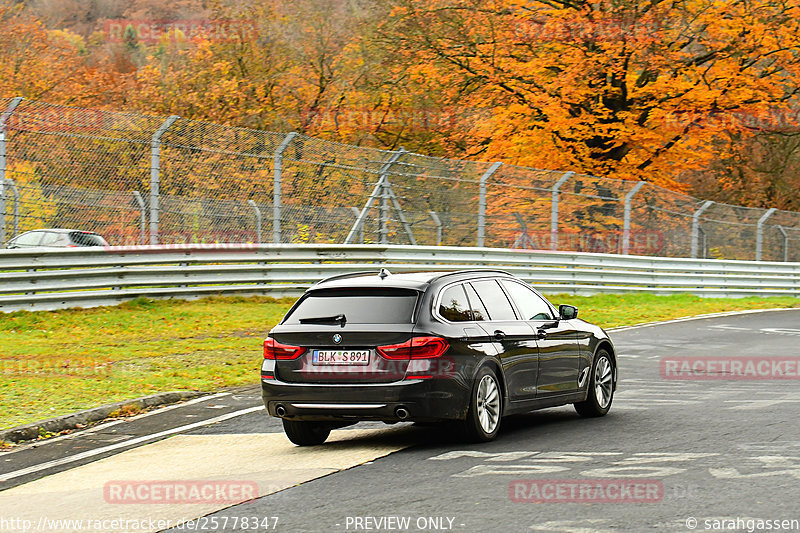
<point x="125" y="444"/>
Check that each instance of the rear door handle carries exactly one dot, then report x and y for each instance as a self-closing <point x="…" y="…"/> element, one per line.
<point x="499" y="335"/>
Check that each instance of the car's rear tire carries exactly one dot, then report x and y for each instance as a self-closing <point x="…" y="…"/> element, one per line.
<point x="306" y="433"/>
<point x="601" y="387"/>
<point x="485" y="407"/>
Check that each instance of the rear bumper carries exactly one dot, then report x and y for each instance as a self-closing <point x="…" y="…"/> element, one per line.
<point x="423" y="399"/>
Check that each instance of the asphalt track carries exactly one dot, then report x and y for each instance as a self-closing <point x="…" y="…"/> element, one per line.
<point x="672" y="455"/>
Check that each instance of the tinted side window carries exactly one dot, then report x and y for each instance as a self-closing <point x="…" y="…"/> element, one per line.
<point x="528" y="302"/>
<point x="86" y="239"/>
<point x="495" y="300"/>
<point x="454" y="305"/>
<point x="475" y="303"/>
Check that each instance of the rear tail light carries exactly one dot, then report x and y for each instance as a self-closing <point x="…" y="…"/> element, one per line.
<point x="415" y="348"/>
<point x="276" y="350"/>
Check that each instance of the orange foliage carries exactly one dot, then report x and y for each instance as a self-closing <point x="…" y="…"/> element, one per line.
<point x="634" y="89"/>
<point x="39" y="64"/>
<point x="612" y="88"/>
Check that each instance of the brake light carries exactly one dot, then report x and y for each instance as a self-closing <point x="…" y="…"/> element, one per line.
<point x="396" y="351"/>
<point x="415" y="348"/>
<point x="276" y="350"/>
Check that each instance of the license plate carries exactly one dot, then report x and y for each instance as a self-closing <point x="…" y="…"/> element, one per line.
<point x="340" y="357"/>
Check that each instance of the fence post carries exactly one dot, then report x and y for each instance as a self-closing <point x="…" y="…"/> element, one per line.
<point x="554" y="214"/>
<point x="277" y="176"/>
<point x="383" y="215"/>
<point x="257" y="212"/>
<point x="482" y="202"/>
<point x="696" y="226"/>
<point x="142" y="217"/>
<point x="3" y="119"/>
<point x="626" y="224"/>
<point x="704" y="240"/>
<point x="378" y="192"/>
<point x="785" y="243"/>
<point x="523" y="240"/>
<point x="359" y="229"/>
<point x="16" y="206"/>
<point x="438" y="223"/>
<point x="760" y="231"/>
<point x="155" y="176"/>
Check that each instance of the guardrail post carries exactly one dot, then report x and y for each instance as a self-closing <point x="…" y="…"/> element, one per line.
<point x="482" y="202"/>
<point x="142" y="217"/>
<point x="3" y="119"/>
<point x="760" y="231"/>
<point x="554" y="214"/>
<point x="277" y="176"/>
<point x="785" y="243"/>
<point x="438" y="223"/>
<point x="696" y="226"/>
<point x="155" y="176"/>
<point x="626" y="224"/>
<point x="257" y="212"/>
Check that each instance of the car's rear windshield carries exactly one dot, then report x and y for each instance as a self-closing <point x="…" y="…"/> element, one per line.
<point x="359" y="306"/>
<point x="86" y="239"/>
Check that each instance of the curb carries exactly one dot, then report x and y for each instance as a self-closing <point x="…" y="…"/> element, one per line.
<point x="81" y="418"/>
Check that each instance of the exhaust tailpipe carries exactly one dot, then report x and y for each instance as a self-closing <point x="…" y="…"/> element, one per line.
<point x="280" y="410"/>
<point x="401" y="413"/>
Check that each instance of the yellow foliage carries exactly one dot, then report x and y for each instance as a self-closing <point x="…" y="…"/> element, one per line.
<point x="35" y="209"/>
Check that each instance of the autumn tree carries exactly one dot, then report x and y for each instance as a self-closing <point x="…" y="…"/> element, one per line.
<point x="40" y="64"/>
<point x="612" y="88"/>
<point x="760" y="170"/>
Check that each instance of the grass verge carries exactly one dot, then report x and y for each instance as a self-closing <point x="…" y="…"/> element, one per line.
<point x="58" y="362"/>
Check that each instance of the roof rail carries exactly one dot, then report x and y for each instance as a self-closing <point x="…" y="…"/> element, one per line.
<point x="471" y="270"/>
<point x="349" y="275"/>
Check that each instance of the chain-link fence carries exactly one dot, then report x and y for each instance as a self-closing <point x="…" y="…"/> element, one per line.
<point x="140" y="179"/>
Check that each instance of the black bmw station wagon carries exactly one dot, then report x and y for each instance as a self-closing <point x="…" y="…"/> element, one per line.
<point x="468" y="347"/>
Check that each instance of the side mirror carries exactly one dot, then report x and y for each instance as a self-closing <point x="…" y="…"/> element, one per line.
<point x="567" y="312"/>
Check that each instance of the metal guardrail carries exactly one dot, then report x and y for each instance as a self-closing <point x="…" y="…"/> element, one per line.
<point x="88" y="277"/>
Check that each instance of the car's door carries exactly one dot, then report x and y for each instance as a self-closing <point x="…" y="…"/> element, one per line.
<point x="519" y="353"/>
<point x="559" y="353"/>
